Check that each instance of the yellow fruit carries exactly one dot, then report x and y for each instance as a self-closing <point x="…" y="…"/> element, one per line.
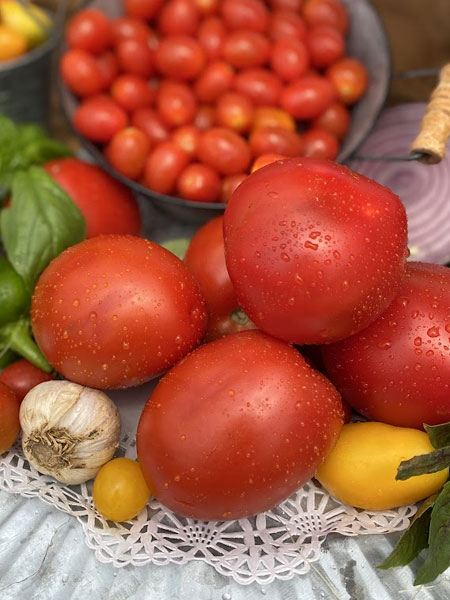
<point x="361" y="468"/>
<point x="12" y="44"/>
<point x="32" y="22"/>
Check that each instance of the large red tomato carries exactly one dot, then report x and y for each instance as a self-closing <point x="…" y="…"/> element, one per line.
<point x="315" y="252"/>
<point x="236" y="427"/>
<point x="398" y="369"/>
<point x="114" y="311"/>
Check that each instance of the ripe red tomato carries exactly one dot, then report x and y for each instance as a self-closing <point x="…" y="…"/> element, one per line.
<point x="211" y="35"/>
<point x="225" y="151"/>
<point x="335" y="119"/>
<point x="234" y="111"/>
<point x="124" y="28"/>
<point x="180" y="57"/>
<point x="229" y="184"/>
<point x="266" y="159"/>
<point x="293" y="5"/>
<point x="350" y="78"/>
<point x="98" y="118"/>
<point x="326" y="45"/>
<point x="135" y="56"/>
<point x="114" y="311"/>
<point x="278" y="140"/>
<point x="251" y="15"/>
<point x="289" y="59"/>
<point x="397" y="370"/>
<point x="9" y="418"/>
<point x="132" y="92"/>
<point x="127" y="152"/>
<point x="319" y="143"/>
<point x="261" y="86"/>
<point x="285" y="23"/>
<point x="199" y="183"/>
<point x="106" y="204"/>
<point x="81" y="73"/>
<point x="148" y="121"/>
<point x="258" y="434"/>
<point x="142" y="9"/>
<point x="207" y="7"/>
<point x="331" y="13"/>
<point x="246" y="49"/>
<point x="176" y="103"/>
<point x="109" y="68"/>
<point x="163" y="167"/>
<point x="216" y="79"/>
<point x="89" y="30"/>
<point x="315" y="252"/>
<point x="187" y="138"/>
<point x="307" y="97"/>
<point x="21" y="376"/>
<point x="204" y="117"/>
<point x="178" y="17"/>
<point x="270" y="116"/>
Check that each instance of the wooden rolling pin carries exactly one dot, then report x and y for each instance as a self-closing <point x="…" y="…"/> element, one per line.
<point x="435" y="126"/>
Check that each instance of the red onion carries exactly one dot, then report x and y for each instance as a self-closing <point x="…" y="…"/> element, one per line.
<point x="423" y="189"/>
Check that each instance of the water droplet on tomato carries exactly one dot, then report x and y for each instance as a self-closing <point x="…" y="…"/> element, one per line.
<point x="418" y="341"/>
<point x="285" y="256"/>
<point x="76" y="302"/>
<point x="429" y="353"/>
<point x="311" y="246"/>
<point x="433" y="332"/>
<point x="231" y="393"/>
<point x="291" y="301"/>
<point x="336" y="254"/>
<point x="384" y="345"/>
<point x="93" y="316"/>
<point x="65" y="334"/>
<point x="105" y="367"/>
<point x="314" y="234"/>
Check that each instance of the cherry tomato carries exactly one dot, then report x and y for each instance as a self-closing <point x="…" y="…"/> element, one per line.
<point x="261" y="86"/>
<point x="21" y="376"/>
<point x="178" y="17"/>
<point x="124" y="28"/>
<point x="335" y="119"/>
<point x="207" y="7"/>
<point x="229" y="184"/>
<point x="269" y="116"/>
<point x="81" y="72"/>
<point x="279" y="140"/>
<point x="199" y="183"/>
<point x="142" y="9"/>
<point x="132" y="92"/>
<point x="12" y="43"/>
<point x="285" y="23"/>
<point x="289" y="59"/>
<point x="246" y="49"/>
<point x="225" y="452"/>
<point x="307" y="97"/>
<point x="225" y="151"/>
<point x="331" y="13"/>
<point x="127" y="152"/>
<point x="135" y="56"/>
<point x="163" y="167"/>
<point x="293" y="5"/>
<point x="180" y="57"/>
<point x="266" y="159"/>
<point x="187" y="137"/>
<point x="106" y="204"/>
<point x="115" y="310"/>
<point x="251" y="15"/>
<point x="326" y="45"/>
<point x="98" y="118"/>
<point x="204" y="117"/>
<point x="350" y="78"/>
<point x="120" y="491"/>
<point x="109" y="68"/>
<point x="9" y="417"/>
<point x="397" y="370"/>
<point x="176" y="103"/>
<point x="148" y="121"/>
<point x="319" y="143"/>
<point x="216" y="79"/>
<point x="234" y="111"/>
<point x="89" y="30"/>
<point x="211" y="35"/>
<point x="332" y="244"/>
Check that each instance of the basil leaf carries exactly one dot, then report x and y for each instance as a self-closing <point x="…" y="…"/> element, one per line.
<point x="424" y="463"/>
<point x="439" y="434"/>
<point x="414" y="539"/>
<point x="40" y="223"/>
<point x="43" y="150"/>
<point x="438" y="555"/>
<point x="17" y="337"/>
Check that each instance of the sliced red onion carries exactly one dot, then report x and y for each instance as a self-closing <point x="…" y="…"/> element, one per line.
<point x="423" y="189"/>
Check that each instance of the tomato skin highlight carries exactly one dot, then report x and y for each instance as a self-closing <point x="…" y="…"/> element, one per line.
<point x="114" y="311"/>
<point x="223" y="436"/>
<point x="331" y="243"/>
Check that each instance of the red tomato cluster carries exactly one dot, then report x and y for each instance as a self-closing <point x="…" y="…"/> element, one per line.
<point x="185" y="95"/>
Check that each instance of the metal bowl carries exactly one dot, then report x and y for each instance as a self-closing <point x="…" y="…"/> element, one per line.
<point x="367" y="41"/>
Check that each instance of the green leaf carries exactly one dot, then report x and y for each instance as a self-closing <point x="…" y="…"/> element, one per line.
<point x="439" y="434"/>
<point x="438" y="555"/>
<point x="40" y="223"/>
<point x="177" y="246"/>
<point x="17" y="337"/>
<point x="424" y="463"/>
<point x="414" y="539"/>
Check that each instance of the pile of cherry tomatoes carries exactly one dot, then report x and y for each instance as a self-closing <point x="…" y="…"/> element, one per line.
<point x="185" y="95"/>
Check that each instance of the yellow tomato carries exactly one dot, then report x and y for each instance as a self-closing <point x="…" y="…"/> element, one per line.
<point x="269" y="116"/>
<point x="361" y="468"/>
<point x="12" y="43"/>
<point x="120" y="491"/>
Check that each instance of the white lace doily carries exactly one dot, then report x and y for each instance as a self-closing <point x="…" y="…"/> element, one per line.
<point x="278" y="544"/>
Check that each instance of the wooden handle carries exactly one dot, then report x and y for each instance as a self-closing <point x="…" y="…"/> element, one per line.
<point x="435" y="127"/>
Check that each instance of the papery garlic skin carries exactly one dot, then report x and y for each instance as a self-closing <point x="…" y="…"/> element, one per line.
<point x="69" y="431"/>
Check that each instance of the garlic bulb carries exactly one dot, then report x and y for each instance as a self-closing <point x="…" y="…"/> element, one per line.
<point x="69" y="431"/>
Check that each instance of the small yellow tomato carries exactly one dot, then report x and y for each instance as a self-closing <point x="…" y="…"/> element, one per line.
<point x="270" y="116"/>
<point x="12" y="43"/>
<point x="120" y="491"/>
<point x="361" y="468"/>
<point x="29" y="20"/>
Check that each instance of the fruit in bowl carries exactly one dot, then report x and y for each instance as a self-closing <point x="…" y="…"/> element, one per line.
<point x="23" y="26"/>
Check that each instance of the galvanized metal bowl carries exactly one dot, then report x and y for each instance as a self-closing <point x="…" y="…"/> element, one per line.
<point x="367" y="41"/>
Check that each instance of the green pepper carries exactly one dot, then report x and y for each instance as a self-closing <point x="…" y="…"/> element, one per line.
<point x="14" y="298"/>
